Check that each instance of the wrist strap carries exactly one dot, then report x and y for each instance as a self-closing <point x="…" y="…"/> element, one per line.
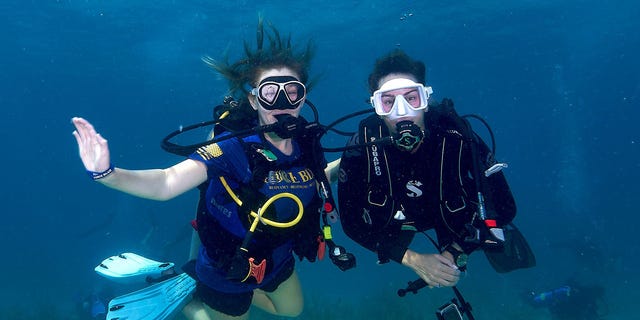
<point x="99" y="175"/>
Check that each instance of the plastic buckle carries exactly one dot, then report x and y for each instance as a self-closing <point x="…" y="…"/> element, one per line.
<point x="496" y="234"/>
<point x="495" y="168"/>
<point x="474" y="233"/>
<point x="332" y="215"/>
<point x="342" y="259"/>
<point x="321" y="247"/>
<point x="257" y="270"/>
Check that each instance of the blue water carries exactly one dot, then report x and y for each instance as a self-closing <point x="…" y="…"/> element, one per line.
<point x="559" y="81"/>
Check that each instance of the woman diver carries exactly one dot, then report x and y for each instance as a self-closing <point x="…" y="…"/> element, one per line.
<point x="240" y="262"/>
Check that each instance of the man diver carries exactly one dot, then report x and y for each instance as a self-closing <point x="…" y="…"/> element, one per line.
<point x="417" y="169"/>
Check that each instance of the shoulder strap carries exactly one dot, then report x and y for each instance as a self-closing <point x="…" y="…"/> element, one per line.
<point x="378" y="176"/>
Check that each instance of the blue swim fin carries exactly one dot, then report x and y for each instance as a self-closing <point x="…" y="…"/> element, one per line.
<point x="132" y="268"/>
<point x="156" y="302"/>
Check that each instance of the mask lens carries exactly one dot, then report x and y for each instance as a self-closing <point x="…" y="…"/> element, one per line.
<point x="269" y="92"/>
<point x="413" y="98"/>
<point x="386" y="102"/>
<point x="295" y="91"/>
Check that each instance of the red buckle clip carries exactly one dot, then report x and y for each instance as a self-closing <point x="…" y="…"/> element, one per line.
<point x="491" y="223"/>
<point x="257" y="270"/>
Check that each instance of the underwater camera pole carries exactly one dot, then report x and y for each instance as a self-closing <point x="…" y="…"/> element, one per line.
<point x="463" y="305"/>
<point x="414" y="286"/>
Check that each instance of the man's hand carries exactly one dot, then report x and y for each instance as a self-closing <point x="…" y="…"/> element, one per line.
<point x="436" y="269"/>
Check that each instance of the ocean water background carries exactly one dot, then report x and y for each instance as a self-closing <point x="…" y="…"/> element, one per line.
<point x="559" y="82"/>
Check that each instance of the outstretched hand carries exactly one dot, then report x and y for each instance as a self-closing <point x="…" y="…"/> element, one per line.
<point x="93" y="148"/>
<point x="436" y="269"/>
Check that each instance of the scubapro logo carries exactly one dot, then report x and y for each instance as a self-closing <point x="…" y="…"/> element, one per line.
<point x="413" y="188"/>
<point x="376" y="160"/>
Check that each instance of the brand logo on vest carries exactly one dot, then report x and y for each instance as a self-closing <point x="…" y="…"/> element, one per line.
<point x="413" y="186"/>
<point x="375" y="159"/>
<point x="289" y="176"/>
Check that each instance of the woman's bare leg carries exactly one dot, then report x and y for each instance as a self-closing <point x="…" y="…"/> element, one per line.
<point x="286" y="301"/>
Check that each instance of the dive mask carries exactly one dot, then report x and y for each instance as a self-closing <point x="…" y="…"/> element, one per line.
<point x="280" y="93"/>
<point x="400" y="96"/>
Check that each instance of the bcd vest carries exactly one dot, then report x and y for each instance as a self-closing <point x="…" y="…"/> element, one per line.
<point x="221" y="244"/>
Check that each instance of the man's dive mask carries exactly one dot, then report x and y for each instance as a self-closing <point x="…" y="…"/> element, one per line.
<point x="408" y="135"/>
<point x="400" y="97"/>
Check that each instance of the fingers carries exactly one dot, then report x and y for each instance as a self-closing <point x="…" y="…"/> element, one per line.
<point x="84" y="129"/>
<point x="77" y="136"/>
<point x="101" y="140"/>
<point x="445" y="273"/>
<point x="444" y="260"/>
<point x="444" y="281"/>
<point x="85" y="134"/>
<point x="92" y="147"/>
<point x="436" y="269"/>
<point x="437" y="282"/>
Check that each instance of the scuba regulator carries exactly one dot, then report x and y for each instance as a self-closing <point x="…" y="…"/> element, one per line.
<point x="408" y="135"/>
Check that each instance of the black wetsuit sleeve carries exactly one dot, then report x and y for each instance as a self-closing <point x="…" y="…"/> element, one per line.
<point x="395" y="246"/>
<point x="358" y="220"/>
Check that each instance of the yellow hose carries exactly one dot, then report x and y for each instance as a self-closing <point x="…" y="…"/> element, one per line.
<point x="258" y="216"/>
